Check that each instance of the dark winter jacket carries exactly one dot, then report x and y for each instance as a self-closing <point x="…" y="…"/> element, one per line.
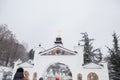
<point x="18" y="76"/>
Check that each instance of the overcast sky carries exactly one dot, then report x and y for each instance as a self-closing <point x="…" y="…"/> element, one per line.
<point x="37" y="21"/>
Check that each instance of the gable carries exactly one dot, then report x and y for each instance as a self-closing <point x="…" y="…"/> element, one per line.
<point x="92" y="66"/>
<point x="58" y="50"/>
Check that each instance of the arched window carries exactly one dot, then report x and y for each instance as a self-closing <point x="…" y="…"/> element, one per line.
<point x="79" y="76"/>
<point x="92" y="76"/>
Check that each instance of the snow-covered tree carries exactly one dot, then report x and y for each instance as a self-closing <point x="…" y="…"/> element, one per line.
<point x="31" y="54"/>
<point x="90" y="54"/>
<point x="114" y="59"/>
<point x="10" y="48"/>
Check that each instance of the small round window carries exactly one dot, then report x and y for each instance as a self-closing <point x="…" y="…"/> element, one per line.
<point x="58" y="51"/>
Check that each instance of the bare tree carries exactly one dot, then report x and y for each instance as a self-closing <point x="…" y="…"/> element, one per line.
<point x="10" y="48"/>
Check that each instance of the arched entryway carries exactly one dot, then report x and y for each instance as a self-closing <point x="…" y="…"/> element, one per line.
<point x="58" y="71"/>
<point x="92" y="76"/>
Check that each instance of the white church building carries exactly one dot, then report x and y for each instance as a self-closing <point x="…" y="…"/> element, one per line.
<point x="62" y="63"/>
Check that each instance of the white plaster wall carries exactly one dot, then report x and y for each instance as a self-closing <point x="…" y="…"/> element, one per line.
<point x="43" y="62"/>
<point x="102" y="73"/>
<point x="74" y="62"/>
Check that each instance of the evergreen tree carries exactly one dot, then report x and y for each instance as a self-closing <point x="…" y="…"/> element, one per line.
<point x="114" y="59"/>
<point x="90" y="54"/>
<point x="31" y="54"/>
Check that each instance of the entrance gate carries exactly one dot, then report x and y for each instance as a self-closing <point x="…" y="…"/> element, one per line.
<point x="58" y="71"/>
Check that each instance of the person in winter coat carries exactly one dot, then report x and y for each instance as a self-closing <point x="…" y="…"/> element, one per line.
<point x="19" y="75"/>
<point x="35" y="76"/>
<point x="57" y="78"/>
<point x="41" y="78"/>
<point x="26" y="75"/>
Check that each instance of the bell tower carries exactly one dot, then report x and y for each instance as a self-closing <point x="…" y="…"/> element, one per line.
<point x="58" y="39"/>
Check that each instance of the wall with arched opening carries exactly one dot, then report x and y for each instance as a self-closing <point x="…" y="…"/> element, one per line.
<point x="58" y="71"/>
<point x="43" y="62"/>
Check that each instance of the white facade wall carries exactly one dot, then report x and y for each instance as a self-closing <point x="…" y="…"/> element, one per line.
<point x="43" y="62"/>
<point x="74" y="62"/>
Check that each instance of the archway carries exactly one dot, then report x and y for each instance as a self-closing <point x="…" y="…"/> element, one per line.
<point x="58" y="70"/>
<point x="92" y="76"/>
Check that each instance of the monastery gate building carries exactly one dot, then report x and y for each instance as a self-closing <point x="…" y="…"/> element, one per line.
<point x="62" y="63"/>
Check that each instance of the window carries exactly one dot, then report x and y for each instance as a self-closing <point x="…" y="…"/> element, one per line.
<point x="92" y="76"/>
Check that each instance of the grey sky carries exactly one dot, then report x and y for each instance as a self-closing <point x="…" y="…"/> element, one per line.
<point x="37" y="21"/>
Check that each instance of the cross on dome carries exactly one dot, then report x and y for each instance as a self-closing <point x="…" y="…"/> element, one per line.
<point x="58" y="33"/>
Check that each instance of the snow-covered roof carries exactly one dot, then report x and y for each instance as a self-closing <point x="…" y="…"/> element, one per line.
<point x="92" y="66"/>
<point x="58" y="50"/>
<point x="28" y="64"/>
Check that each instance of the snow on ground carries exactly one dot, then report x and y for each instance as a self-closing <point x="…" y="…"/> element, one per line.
<point x="4" y="71"/>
